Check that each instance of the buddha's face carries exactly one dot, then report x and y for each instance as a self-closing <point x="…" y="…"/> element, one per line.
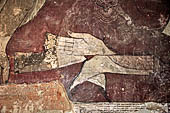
<point x="105" y="10"/>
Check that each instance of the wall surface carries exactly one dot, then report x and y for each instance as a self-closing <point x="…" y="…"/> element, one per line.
<point x="111" y="55"/>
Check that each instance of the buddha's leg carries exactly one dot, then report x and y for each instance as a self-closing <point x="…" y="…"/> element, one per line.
<point x="102" y="64"/>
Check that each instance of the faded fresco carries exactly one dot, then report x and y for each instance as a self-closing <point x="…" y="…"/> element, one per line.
<point x="84" y="56"/>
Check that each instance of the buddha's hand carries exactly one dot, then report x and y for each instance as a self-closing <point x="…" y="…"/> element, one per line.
<point x="94" y="45"/>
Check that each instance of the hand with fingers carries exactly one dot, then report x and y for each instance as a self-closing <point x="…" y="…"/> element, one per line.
<point x="90" y="44"/>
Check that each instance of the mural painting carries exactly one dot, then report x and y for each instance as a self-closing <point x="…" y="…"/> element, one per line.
<point x="84" y="56"/>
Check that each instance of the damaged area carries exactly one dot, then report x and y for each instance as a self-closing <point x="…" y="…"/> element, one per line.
<point x="33" y="98"/>
<point x="28" y="62"/>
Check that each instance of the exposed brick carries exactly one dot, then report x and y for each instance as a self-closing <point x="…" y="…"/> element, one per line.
<point x="33" y="98"/>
